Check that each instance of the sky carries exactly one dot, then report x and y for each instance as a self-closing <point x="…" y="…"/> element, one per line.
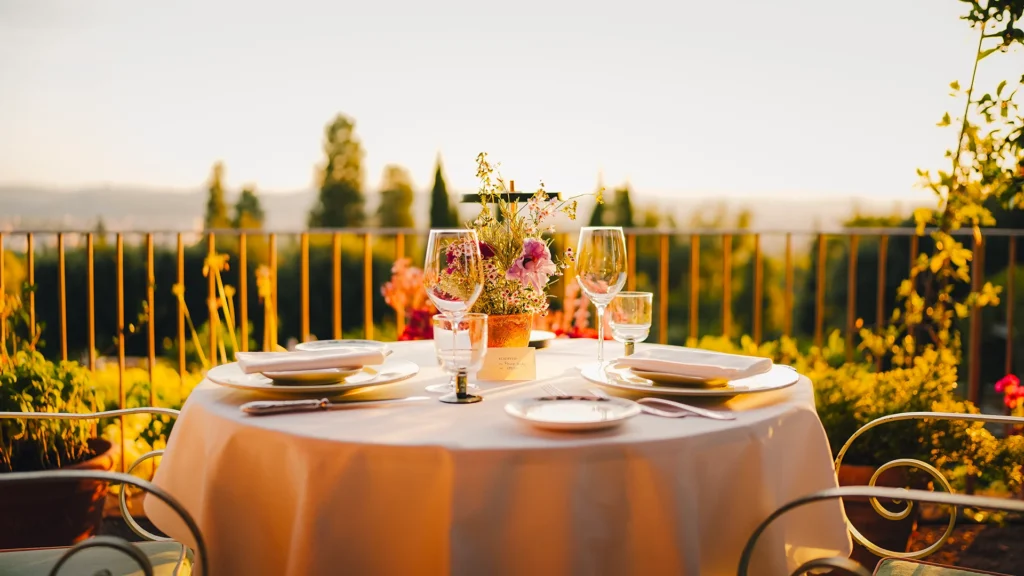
<point x="685" y="98"/>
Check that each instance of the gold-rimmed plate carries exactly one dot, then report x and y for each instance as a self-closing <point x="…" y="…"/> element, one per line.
<point x="779" y="377"/>
<point x="231" y="376"/>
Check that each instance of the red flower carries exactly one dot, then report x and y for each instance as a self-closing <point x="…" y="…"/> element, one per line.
<point x="1007" y="381"/>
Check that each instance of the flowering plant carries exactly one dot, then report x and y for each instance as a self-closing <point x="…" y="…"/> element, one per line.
<point x="517" y="260"/>
<point x="1013" y="394"/>
<point x="404" y="293"/>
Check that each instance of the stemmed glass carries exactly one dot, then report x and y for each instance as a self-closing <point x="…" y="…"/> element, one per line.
<point x="601" y="270"/>
<point x="468" y="353"/>
<point x="453" y="278"/>
<point x="630" y="318"/>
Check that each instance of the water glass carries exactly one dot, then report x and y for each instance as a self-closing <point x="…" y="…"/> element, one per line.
<point x="630" y="318"/>
<point x="460" y="346"/>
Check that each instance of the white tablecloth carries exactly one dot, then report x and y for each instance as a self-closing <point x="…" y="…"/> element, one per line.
<point x="432" y="488"/>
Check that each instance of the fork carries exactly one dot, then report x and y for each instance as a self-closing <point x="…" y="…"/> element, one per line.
<point x="681" y="409"/>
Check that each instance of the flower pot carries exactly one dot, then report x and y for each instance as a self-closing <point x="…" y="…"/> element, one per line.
<point x="37" y="515"/>
<point x="509" y="331"/>
<point x="889" y="534"/>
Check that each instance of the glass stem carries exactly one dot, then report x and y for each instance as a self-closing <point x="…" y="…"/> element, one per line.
<point x="461" y="382"/>
<point x="630" y="347"/>
<point x="455" y="343"/>
<point x="600" y="333"/>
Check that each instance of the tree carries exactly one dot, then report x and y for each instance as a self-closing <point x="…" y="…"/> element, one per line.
<point x="442" y="213"/>
<point x="623" y="215"/>
<point x="341" y="181"/>
<point x="396" y="197"/>
<point x="248" y="211"/>
<point x="216" y="209"/>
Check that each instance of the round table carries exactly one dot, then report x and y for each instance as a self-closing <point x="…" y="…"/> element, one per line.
<point x="430" y="488"/>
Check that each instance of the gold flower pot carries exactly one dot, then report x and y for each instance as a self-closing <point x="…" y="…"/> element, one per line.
<point x="509" y="330"/>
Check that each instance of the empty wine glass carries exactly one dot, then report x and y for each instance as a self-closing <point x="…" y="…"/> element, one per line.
<point x="453" y="276"/>
<point x="630" y="318"/>
<point x="601" y="270"/>
<point x="460" y="346"/>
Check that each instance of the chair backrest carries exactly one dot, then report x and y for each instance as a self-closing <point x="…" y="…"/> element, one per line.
<point x="109" y="478"/>
<point x="846" y="564"/>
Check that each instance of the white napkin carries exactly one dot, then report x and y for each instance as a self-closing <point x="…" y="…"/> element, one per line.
<point x="253" y="362"/>
<point x="697" y="364"/>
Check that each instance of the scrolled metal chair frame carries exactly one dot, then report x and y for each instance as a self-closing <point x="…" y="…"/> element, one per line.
<point x="873" y="492"/>
<point x="122" y="497"/>
<point x="912" y="463"/>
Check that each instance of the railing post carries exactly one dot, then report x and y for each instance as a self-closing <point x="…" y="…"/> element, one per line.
<point x="631" y="262"/>
<point x="787" y="296"/>
<point x="758" y="289"/>
<point x="663" y="248"/>
<point x="62" y="288"/>
<point x="181" y="317"/>
<point x="304" y="286"/>
<point x="211" y="297"/>
<point x="31" y="263"/>
<point x="726" y="285"/>
<point x="1010" y="285"/>
<point x="151" y="318"/>
<point x="121" y="404"/>
<point x="974" y="363"/>
<point x="336" y="292"/>
<point x="368" y="286"/>
<point x="243" y="291"/>
<point x="399" y="254"/>
<point x="851" y="297"/>
<point x="819" y="296"/>
<point x="883" y="265"/>
<point x="90" y="266"/>
<point x="694" y="287"/>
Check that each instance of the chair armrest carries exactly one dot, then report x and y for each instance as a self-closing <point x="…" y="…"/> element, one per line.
<point x="873" y="492"/>
<point x="116" y="478"/>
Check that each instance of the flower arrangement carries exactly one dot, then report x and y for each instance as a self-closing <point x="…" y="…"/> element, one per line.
<point x="404" y="293"/>
<point x="517" y="261"/>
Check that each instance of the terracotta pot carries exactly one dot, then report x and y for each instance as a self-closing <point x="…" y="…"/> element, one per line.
<point x="509" y="331"/>
<point x="889" y="534"/>
<point x="37" y="515"/>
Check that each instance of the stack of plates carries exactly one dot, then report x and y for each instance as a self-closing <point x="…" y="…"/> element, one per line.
<point x="626" y="378"/>
<point x="319" y="380"/>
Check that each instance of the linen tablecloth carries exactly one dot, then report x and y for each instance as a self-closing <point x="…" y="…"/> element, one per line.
<point x="431" y="488"/>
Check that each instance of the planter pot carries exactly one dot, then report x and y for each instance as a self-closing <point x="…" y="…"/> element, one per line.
<point x="49" y="514"/>
<point x="509" y="331"/>
<point x="889" y="534"/>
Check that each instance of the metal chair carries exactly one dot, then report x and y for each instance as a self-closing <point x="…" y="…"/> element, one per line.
<point x="106" y="555"/>
<point x="894" y="562"/>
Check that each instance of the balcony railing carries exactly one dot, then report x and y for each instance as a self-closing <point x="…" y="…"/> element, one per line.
<point x="641" y="243"/>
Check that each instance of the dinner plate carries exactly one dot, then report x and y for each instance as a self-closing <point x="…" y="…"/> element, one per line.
<point x="576" y="413"/>
<point x="311" y="377"/>
<point x="541" y="338"/>
<point x="390" y="371"/>
<point x="779" y="377"/>
<point x="317" y="345"/>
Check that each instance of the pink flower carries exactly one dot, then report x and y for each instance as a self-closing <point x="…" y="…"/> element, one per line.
<point x="534" y="267"/>
<point x="1007" y="381"/>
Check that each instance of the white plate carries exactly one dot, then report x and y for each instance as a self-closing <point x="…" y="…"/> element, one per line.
<point x="231" y="375"/>
<point x="317" y="345"/>
<point x="311" y="377"/>
<point x="541" y="338"/>
<point x="778" y="377"/>
<point x="573" y="414"/>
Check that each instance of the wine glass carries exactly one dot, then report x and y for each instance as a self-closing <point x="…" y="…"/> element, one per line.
<point x="459" y="357"/>
<point x="601" y="270"/>
<point x="453" y="277"/>
<point x="630" y="318"/>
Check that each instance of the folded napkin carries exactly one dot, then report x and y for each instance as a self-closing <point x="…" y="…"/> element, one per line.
<point x="253" y="362"/>
<point x="697" y="364"/>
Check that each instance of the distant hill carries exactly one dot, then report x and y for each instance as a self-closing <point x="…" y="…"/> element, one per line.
<point x="126" y="208"/>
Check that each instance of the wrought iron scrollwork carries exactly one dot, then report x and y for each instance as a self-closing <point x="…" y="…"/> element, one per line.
<point x="112" y="478"/>
<point x="932" y="471"/>
<point x="873" y="492"/>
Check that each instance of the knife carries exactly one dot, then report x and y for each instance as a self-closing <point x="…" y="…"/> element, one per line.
<point x="264" y="407"/>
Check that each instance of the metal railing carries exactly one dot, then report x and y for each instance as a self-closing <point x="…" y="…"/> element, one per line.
<point x="664" y="242"/>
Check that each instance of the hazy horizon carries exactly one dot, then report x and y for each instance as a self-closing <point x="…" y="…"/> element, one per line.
<point x="795" y="98"/>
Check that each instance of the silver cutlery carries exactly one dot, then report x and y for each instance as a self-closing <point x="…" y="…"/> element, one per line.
<point x="265" y="407"/>
<point x="680" y="411"/>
